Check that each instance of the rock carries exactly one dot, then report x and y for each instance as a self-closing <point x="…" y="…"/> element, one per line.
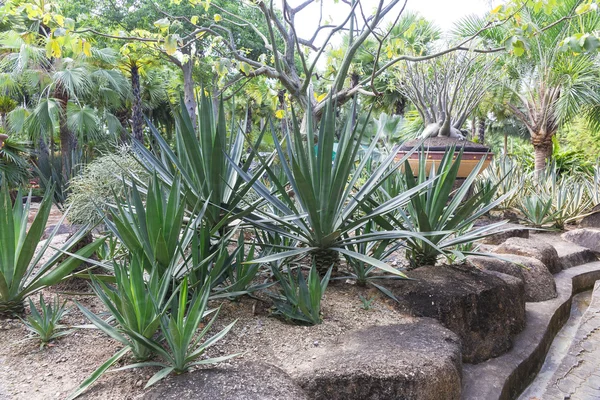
<point x="247" y="381"/>
<point x="62" y="230"/>
<point x="544" y="252"/>
<point x="516" y="230"/>
<point x="592" y="220"/>
<point x="485" y="309"/>
<point x="585" y="237"/>
<point x="539" y="282"/>
<point x="419" y="360"/>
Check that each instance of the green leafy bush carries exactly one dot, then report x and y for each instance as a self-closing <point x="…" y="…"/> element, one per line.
<point x="45" y="324"/>
<point x="443" y="214"/>
<point x="21" y="273"/>
<point x="94" y="189"/>
<point x="300" y="298"/>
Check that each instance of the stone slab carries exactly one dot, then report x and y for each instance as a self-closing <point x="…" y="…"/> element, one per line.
<point x="505" y="377"/>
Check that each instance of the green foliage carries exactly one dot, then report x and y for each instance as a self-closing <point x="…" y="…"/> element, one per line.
<point x="14" y="169"/>
<point x="45" y="324"/>
<point x="240" y="275"/>
<point x="155" y="228"/>
<point x="300" y="298"/>
<point x="135" y="304"/>
<point x="505" y="174"/>
<point x="554" y="199"/>
<point x="20" y="274"/>
<point x="446" y="213"/>
<point x="564" y="159"/>
<point x="54" y="173"/>
<point x="94" y="189"/>
<point x="183" y="344"/>
<point x="536" y="210"/>
<point x="364" y="272"/>
<point x="326" y="206"/>
<point x="202" y="160"/>
<point x="366" y="302"/>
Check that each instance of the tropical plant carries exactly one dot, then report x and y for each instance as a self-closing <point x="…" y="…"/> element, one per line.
<point x="52" y="172"/>
<point x="241" y="275"/>
<point x="13" y="162"/>
<point x="366" y="302"/>
<point x="446" y="213"/>
<point x="555" y="199"/>
<point x="559" y="79"/>
<point x="45" y="324"/>
<point x="300" y="298"/>
<point x="20" y="274"/>
<point x="135" y="304"/>
<point x="183" y="344"/>
<point x="326" y="205"/>
<point x="361" y="271"/>
<point x="536" y="210"/>
<point x="505" y="173"/>
<point x="93" y="190"/>
<point x="204" y="159"/>
<point x="446" y="90"/>
<point x="155" y="229"/>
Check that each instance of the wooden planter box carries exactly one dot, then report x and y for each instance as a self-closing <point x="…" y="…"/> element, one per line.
<point x="472" y="155"/>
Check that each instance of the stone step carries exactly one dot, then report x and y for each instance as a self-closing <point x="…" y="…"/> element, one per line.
<point x="570" y="254"/>
<point x="505" y="377"/>
<point x="570" y="367"/>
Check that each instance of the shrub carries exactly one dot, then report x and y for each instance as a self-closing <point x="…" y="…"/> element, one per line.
<point x="45" y="324"/>
<point x="21" y="273"/>
<point x="444" y="215"/>
<point x="326" y="206"/>
<point x="300" y="298"/>
<point x="94" y="189"/>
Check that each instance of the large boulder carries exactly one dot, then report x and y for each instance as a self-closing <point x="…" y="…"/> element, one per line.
<point x="539" y="282"/>
<point x="419" y="360"/>
<point x="247" y="381"/>
<point x="485" y="309"/>
<point x="533" y="248"/>
<point x="592" y="220"/>
<point x="516" y="230"/>
<point x="585" y="237"/>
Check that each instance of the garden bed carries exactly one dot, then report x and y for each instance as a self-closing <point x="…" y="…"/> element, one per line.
<point x="56" y="371"/>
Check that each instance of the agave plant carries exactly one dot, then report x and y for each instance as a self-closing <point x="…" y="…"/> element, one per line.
<point x="201" y="158"/>
<point x="300" y="298"/>
<point x="505" y="173"/>
<point x="156" y="228"/>
<point x="21" y="273"/>
<point x="363" y="272"/>
<point x="556" y="199"/>
<point x="536" y="210"/>
<point x="184" y="345"/>
<point x="135" y="304"/>
<point x="45" y="324"/>
<point x="327" y="206"/>
<point x="445" y="213"/>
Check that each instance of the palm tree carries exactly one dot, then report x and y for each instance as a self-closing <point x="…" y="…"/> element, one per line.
<point x="74" y="96"/>
<point x="551" y="83"/>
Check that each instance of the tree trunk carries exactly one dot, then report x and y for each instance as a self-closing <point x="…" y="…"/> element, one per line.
<point x="137" y="125"/>
<point x="68" y="142"/>
<point x="189" y="97"/>
<point x="481" y="129"/>
<point x="542" y="154"/>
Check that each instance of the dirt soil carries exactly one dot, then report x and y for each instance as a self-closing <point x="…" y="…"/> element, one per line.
<point x="28" y="372"/>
